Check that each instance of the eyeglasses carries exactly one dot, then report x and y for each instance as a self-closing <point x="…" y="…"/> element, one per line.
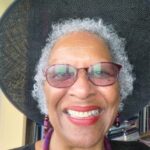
<point x="100" y="74"/>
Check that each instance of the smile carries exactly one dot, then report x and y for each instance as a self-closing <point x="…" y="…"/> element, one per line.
<point x="79" y="114"/>
<point x="84" y="116"/>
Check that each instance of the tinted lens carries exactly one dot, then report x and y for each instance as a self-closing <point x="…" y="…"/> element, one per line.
<point x="104" y="74"/>
<point x="61" y="75"/>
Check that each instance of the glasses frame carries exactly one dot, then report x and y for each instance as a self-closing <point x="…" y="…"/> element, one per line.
<point x="86" y="69"/>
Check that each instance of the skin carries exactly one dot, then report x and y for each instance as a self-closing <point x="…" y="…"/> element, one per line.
<point x="80" y="49"/>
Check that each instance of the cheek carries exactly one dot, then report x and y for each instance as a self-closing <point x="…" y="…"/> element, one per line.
<point x="112" y="95"/>
<point x="54" y="100"/>
<point x="112" y="99"/>
<point x="53" y="96"/>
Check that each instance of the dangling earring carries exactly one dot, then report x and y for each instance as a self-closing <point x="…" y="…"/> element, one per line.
<point x="117" y="120"/>
<point x="48" y="130"/>
<point x="46" y="125"/>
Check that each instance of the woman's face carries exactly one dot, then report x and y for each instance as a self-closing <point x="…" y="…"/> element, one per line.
<point x="81" y="49"/>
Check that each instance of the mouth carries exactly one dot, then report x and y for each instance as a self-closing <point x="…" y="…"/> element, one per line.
<point x="84" y="116"/>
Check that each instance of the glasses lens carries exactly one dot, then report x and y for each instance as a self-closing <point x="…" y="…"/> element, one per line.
<point x="61" y="75"/>
<point x="104" y="74"/>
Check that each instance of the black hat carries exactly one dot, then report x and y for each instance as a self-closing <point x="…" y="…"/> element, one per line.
<point x="25" y="27"/>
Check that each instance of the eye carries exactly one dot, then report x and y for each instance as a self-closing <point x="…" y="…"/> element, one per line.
<point x="62" y="76"/>
<point x="105" y="74"/>
<point x="101" y="71"/>
<point x="100" y="74"/>
<point x="61" y="72"/>
<point x="95" y="71"/>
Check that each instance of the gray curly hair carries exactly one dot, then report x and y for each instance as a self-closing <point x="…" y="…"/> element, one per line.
<point x="97" y="27"/>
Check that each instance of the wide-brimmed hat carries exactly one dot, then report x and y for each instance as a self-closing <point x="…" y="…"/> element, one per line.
<point x="26" y="24"/>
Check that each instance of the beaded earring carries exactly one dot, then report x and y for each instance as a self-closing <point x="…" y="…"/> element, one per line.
<point x="46" y="125"/>
<point x="117" y="120"/>
<point x="48" y="129"/>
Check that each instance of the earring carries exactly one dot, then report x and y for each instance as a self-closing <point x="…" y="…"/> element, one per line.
<point x="46" y="125"/>
<point x="117" y="120"/>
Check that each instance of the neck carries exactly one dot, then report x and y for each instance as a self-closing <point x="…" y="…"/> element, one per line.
<point x="51" y="143"/>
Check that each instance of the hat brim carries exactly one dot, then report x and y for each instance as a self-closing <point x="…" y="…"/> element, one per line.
<point x="25" y="27"/>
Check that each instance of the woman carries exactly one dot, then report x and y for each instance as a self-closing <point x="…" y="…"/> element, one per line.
<point x="78" y="102"/>
<point x="81" y="80"/>
<point x="79" y="83"/>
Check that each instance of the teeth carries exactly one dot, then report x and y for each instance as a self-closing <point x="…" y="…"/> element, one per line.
<point x="83" y="114"/>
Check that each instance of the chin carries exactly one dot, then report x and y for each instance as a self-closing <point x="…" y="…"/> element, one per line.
<point x="83" y="140"/>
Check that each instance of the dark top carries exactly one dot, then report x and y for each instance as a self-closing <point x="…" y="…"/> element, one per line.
<point x="116" y="145"/>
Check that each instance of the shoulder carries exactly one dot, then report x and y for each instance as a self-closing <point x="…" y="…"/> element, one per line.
<point x="133" y="145"/>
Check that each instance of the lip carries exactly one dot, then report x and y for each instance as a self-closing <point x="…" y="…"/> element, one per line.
<point x="83" y="108"/>
<point x="86" y="121"/>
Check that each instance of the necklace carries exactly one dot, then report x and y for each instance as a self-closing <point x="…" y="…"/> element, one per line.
<point x="49" y="134"/>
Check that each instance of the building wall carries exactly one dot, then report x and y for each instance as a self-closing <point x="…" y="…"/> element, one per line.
<point x="12" y="122"/>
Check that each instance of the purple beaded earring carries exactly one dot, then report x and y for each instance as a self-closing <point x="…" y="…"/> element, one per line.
<point x="117" y="120"/>
<point x="48" y="129"/>
<point x="46" y="125"/>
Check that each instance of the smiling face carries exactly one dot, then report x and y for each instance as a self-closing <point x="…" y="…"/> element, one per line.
<point x="82" y="113"/>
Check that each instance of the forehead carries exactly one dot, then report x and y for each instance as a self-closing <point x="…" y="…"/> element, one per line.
<point x="76" y="45"/>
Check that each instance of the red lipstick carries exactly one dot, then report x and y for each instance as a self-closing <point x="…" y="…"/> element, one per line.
<point x="83" y="115"/>
<point x="85" y="121"/>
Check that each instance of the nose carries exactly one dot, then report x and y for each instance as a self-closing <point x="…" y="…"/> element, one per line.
<point x="82" y="88"/>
